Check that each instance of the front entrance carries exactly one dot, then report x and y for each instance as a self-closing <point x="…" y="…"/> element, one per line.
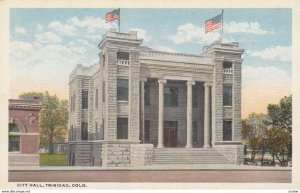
<point x="170" y="137"/>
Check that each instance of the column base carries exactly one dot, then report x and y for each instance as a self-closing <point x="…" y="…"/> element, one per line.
<point x="189" y="146"/>
<point x="206" y="146"/>
<point x="160" y="146"/>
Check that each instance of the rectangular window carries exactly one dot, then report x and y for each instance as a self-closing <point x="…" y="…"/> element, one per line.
<point x="73" y="102"/>
<point x="102" y="129"/>
<point x="123" y="55"/>
<point x="122" y="128"/>
<point x="103" y="59"/>
<point x="147" y="95"/>
<point x="227" y="65"/>
<point x="85" y="99"/>
<point x="96" y="98"/>
<point x="227" y="130"/>
<point x="227" y="95"/>
<point x="122" y="90"/>
<point x="96" y="127"/>
<point x="147" y="130"/>
<point x="103" y="91"/>
<point x="195" y="97"/>
<point x="170" y="96"/>
<point x="71" y="133"/>
<point x="14" y="143"/>
<point x="84" y="131"/>
<point x="195" y="131"/>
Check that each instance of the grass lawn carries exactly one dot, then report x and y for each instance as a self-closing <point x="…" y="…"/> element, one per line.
<point x="53" y="159"/>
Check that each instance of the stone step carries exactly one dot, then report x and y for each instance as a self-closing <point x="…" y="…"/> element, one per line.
<point x="188" y="156"/>
<point x="179" y="157"/>
<point x="174" y="163"/>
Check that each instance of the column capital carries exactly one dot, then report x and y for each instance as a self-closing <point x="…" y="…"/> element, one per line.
<point x="162" y="81"/>
<point x="189" y="82"/>
<point x="208" y="84"/>
<point x="143" y="80"/>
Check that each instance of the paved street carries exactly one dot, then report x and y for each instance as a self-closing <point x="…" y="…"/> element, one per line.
<point x="241" y="176"/>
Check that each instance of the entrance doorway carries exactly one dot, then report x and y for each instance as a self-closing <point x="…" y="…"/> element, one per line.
<point x="170" y="137"/>
<point x="170" y="133"/>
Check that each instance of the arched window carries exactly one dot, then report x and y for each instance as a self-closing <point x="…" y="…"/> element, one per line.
<point x="14" y="138"/>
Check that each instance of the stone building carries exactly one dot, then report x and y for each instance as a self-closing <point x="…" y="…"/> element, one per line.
<point x="23" y="132"/>
<point x="138" y="106"/>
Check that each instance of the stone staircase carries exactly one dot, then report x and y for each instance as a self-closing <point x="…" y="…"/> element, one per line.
<point x="188" y="156"/>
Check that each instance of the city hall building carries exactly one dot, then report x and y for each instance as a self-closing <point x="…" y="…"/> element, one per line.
<point x="138" y="106"/>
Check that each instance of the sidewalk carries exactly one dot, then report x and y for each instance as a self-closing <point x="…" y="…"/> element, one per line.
<point x="196" y="167"/>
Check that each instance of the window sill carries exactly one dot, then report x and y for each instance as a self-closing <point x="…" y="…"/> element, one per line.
<point x="227" y="106"/>
<point x="122" y="101"/>
<point x="14" y="152"/>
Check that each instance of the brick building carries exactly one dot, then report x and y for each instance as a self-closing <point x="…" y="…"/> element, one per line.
<point x="138" y="106"/>
<point x="23" y="132"/>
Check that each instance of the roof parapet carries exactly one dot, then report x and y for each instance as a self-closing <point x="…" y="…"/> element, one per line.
<point x="219" y="44"/>
<point x="80" y="70"/>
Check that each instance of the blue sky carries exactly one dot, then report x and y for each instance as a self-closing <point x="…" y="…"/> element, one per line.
<point x="46" y="44"/>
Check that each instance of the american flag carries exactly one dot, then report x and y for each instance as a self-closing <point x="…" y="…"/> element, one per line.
<point x="111" y="16"/>
<point x="213" y="23"/>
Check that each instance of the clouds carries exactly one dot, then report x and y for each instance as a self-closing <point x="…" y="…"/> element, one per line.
<point x="141" y="34"/>
<point x="20" y="30"/>
<point x="262" y="86"/>
<point x="74" y="25"/>
<point x="244" y="27"/>
<point x="41" y="62"/>
<point x="48" y="37"/>
<point x="163" y="48"/>
<point x="191" y="33"/>
<point x="281" y="53"/>
<point x="267" y="76"/>
<point x="63" y="29"/>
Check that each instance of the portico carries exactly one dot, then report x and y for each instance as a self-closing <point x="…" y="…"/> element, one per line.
<point x="188" y="116"/>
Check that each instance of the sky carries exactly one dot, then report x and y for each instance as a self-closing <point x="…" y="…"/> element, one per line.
<point x="46" y="45"/>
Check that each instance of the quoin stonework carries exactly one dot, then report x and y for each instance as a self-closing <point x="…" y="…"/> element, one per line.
<point x="139" y="107"/>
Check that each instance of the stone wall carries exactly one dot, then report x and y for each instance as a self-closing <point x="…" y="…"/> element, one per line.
<point x="111" y="94"/>
<point x="234" y="153"/>
<point x="141" y="154"/>
<point x="109" y="154"/>
<point x="237" y="122"/>
<point x="116" y="154"/>
<point x="84" y="154"/>
<point x="134" y="96"/>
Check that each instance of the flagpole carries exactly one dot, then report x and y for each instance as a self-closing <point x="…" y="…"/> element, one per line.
<point x="222" y="26"/>
<point x="119" y="20"/>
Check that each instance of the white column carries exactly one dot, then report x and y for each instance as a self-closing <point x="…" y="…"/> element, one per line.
<point x="189" y="114"/>
<point x="206" y="116"/>
<point x="161" y="113"/>
<point x="142" y="108"/>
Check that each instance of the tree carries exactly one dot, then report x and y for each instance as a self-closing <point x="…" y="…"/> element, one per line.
<point x="281" y="114"/>
<point x="53" y="118"/>
<point x="253" y="131"/>
<point x="281" y="119"/>
<point x="54" y="115"/>
<point x="278" y="140"/>
<point x="31" y="95"/>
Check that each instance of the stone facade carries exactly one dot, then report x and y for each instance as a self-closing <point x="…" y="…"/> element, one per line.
<point x="24" y="132"/>
<point x="171" y="100"/>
